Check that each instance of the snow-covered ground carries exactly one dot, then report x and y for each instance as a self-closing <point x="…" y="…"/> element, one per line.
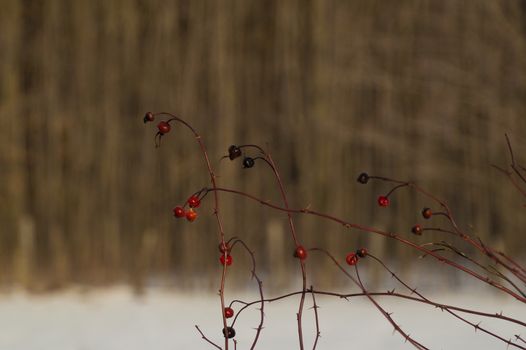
<point x="115" y="319"/>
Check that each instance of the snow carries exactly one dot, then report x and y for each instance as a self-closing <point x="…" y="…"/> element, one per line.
<point x="115" y="318"/>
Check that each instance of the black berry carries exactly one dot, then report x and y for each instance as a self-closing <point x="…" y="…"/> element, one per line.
<point x="248" y="162"/>
<point x="363" y="178"/>
<point x="230" y="332"/>
<point x="234" y="152"/>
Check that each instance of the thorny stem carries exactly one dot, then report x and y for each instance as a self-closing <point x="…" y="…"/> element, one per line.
<point x="489" y="269"/>
<point x="206" y="339"/>
<point x="260" y="287"/>
<point x="316" y="317"/>
<point x="384" y="294"/>
<point x="270" y="162"/>
<point x="414" y="291"/>
<point x="457" y="231"/>
<point x="216" y="211"/>
<point x="390" y="235"/>
<point x="360" y="285"/>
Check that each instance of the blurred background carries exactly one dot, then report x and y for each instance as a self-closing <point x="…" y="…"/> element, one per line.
<point x="413" y="90"/>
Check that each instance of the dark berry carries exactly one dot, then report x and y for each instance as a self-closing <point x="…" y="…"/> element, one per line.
<point x="148" y="117"/>
<point x="230" y="332"/>
<point x="191" y="215"/>
<point x="362" y="252"/>
<point x="228" y="260"/>
<point x="229" y="312"/>
<point x="248" y="162"/>
<point x="417" y="230"/>
<point x="363" y="178"/>
<point x="234" y="152"/>
<point x="224" y="247"/>
<point x="179" y="212"/>
<point x="427" y="213"/>
<point x="351" y="259"/>
<point x="383" y="201"/>
<point x="300" y="253"/>
<point x="164" y="127"/>
<point x="194" y="202"/>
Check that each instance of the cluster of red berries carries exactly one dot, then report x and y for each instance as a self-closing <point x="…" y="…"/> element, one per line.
<point x="427" y="213"/>
<point x="163" y="126"/>
<point x="190" y="214"/>
<point x="353" y="257"/>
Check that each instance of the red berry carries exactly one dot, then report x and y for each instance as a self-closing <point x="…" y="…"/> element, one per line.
<point x="352" y="259"/>
<point x="383" y="201"/>
<point x="427" y="213"/>
<point x="179" y="212"/>
<point x="224" y="247"/>
<point x="229" y="312"/>
<point x="417" y="230"/>
<point x="194" y="202"/>
<point x="164" y="127"/>
<point x="228" y="260"/>
<point x="191" y="215"/>
<point x="300" y="253"/>
<point x="148" y="117"/>
<point x="362" y="252"/>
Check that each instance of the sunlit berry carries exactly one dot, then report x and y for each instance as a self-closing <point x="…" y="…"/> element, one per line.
<point x="148" y="117"/>
<point x="427" y="213"/>
<point x="164" y="127"/>
<point x="363" y="178"/>
<point x="230" y="332"/>
<point x="229" y="312"/>
<point x="383" y="201"/>
<point x="300" y="253"/>
<point x="362" y="252"/>
<point x="191" y="215"/>
<point x="417" y="230"/>
<point x="224" y="247"/>
<point x="227" y="261"/>
<point x="351" y="259"/>
<point x="179" y="212"/>
<point x="234" y="152"/>
<point x="248" y="162"/>
<point x="194" y="202"/>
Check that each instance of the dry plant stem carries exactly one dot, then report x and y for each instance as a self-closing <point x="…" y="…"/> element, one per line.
<point x="512" y="261"/>
<point x="360" y="285"/>
<point x="489" y="269"/>
<point x="394" y="236"/>
<point x="448" y="214"/>
<point x="386" y="294"/>
<point x="316" y="317"/>
<point x="270" y="162"/>
<point x="414" y="291"/>
<point x="206" y="339"/>
<point x="216" y="210"/>
<point x="260" y="287"/>
<point x="515" y="270"/>
<point x="513" y="164"/>
<point x="514" y="182"/>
